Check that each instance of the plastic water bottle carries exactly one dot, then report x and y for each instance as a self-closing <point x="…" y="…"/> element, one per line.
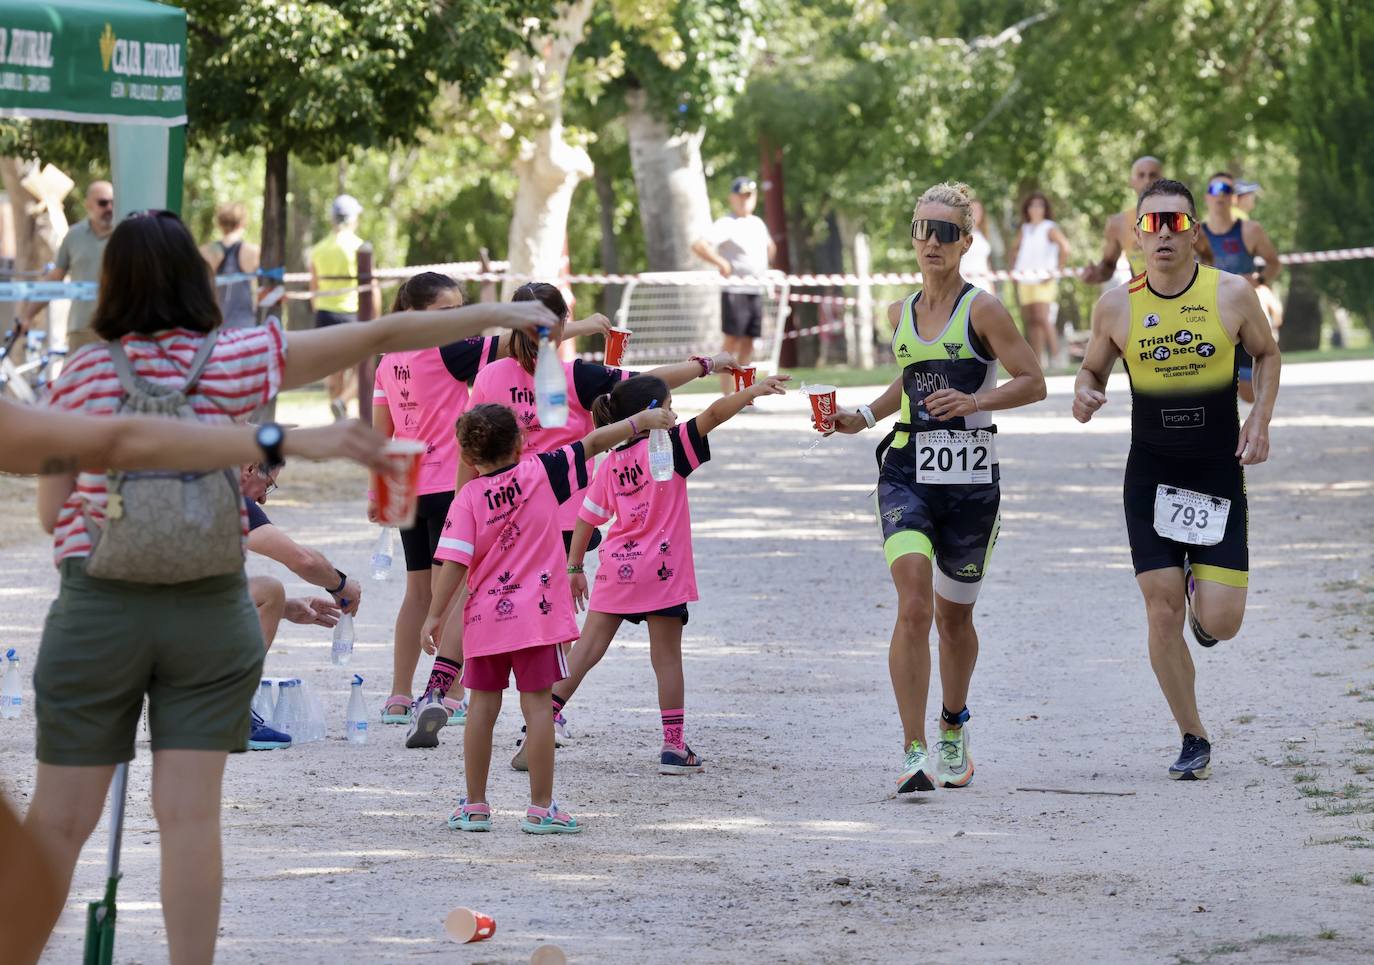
<point x="313" y="712"/>
<point x="262" y="702"/>
<point x="381" y="555"/>
<point x="660" y="452"/>
<point x="342" y="651"/>
<point x="12" y="690"/>
<point x="355" y="721"/>
<point x="284" y="717"/>
<point x="550" y="385"/>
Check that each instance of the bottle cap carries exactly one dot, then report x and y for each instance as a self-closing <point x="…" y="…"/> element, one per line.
<point x="9" y="654"/>
<point x="357" y="680"/>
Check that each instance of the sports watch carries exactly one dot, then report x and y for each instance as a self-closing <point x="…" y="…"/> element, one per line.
<point x="269" y="438"/>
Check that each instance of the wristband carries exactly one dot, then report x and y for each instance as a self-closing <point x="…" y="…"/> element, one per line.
<point x="634" y="429"/>
<point x="574" y="569"/>
<point x="867" y="413"/>
<point x="343" y="582"/>
<point x="974" y="397"/>
<point x="707" y="364"/>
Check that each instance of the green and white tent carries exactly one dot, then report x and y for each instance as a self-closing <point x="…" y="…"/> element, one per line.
<point x="115" y="62"/>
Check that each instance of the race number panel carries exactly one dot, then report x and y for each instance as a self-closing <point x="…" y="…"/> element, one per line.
<point x="1188" y="517"/>
<point x="947" y="457"/>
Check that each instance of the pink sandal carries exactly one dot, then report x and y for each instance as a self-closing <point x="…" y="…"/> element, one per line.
<point x="392" y="701"/>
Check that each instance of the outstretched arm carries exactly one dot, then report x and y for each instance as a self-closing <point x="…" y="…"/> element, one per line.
<point x="312" y="355"/>
<point x="599" y="440"/>
<point x="680" y="373"/>
<point x="728" y="406"/>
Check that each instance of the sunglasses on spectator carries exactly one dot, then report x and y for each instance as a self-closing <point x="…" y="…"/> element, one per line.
<point x="945" y="232"/>
<point x="266" y="474"/>
<point x="1220" y="187"/>
<point x="1175" y="221"/>
<point x="104" y="202"/>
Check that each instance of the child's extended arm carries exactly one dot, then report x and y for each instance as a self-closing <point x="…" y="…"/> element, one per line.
<point x="728" y="406"/>
<point x="599" y="440"/>
<point x="577" y="553"/>
<point x="450" y="577"/>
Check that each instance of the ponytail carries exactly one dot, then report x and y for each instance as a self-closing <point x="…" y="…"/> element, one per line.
<point x="629" y="398"/>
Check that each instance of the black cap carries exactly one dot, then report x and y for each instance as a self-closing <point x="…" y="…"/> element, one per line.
<point x="743" y="186"/>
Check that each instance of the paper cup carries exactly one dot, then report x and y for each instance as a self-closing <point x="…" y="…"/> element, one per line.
<point x="396" y="490"/>
<point x="822" y="407"/>
<point x="465" y="925"/>
<point x="616" y="340"/>
<point x="744" y="376"/>
<point x="548" y="955"/>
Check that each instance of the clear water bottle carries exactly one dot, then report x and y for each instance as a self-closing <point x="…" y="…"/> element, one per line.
<point x="12" y="690"/>
<point x="355" y="721"/>
<point x="283" y="717"/>
<point x="550" y="385"/>
<point x="342" y="651"/>
<point x="263" y="704"/>
<point x="660" y="452"/>
<point x="381" y="555"/>
<point x="313" y="713"/>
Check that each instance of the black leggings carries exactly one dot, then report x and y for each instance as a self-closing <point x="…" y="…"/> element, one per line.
<point x="421" y="540"/>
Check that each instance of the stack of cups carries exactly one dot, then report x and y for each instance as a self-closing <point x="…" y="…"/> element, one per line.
<point x="616" y="340"/>
<point x="822" y="407"/>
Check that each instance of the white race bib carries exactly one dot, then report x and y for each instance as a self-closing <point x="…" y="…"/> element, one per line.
<point x="947" y="457"/>
<point x="1188" y="517"/>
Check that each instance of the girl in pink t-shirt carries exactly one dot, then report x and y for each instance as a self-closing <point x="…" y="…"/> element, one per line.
<point x="647" y="571"/>
<point x="502" y="538"/>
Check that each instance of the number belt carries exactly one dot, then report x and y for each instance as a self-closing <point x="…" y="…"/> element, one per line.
<point x="911" y="428"/>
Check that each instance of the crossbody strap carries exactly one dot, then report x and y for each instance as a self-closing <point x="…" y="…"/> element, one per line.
<point x="125" y="372"/>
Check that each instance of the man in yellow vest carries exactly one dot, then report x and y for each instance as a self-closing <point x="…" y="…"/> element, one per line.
<point x="334" y="265"/>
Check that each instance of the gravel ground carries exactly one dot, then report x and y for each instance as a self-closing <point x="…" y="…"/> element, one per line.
<point x="792" y="847"/>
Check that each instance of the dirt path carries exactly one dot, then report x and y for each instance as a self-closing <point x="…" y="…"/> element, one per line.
<point x="791" y="848"/>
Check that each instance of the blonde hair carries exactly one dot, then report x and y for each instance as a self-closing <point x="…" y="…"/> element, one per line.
<point x="956" y="195"/>
<point x="230" y="216"/>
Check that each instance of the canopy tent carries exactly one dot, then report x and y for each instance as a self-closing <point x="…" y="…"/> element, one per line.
<point x="115" y="62"/>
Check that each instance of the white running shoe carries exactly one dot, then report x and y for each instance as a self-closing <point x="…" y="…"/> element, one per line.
<point x="426" y="720"/>
<point x="915" y="771"/>
<point x="953" y="765"/>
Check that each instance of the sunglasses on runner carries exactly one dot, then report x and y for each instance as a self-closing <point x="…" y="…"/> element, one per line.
<point x="1175" y="221"/>
<point x="945" y="232"/>
<point x="1220" y="187"/>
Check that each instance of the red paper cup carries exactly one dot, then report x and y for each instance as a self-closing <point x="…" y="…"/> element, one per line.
<point x="616" y="340"/>
<point x="396" y="490"/>
<point x="465" y="925"/>
<point x="744" y="376"/>
<point x="822" y="407"/>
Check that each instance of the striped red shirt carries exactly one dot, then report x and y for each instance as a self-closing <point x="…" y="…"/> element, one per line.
<point x="243" y="373"/>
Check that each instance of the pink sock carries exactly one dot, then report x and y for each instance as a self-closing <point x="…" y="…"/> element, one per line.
<point x="672" y="730"/>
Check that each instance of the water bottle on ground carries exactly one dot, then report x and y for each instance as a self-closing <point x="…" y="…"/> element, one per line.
<point x="382" y="553"/>
<point x="342" y="651"/>
<point x="281" y="717"/>
<point x="550" y="385"/>
<point x="12" y="690"/>
<point x="262" y="702"/>
<point x="315" y="729"/>
<point x="660" y="452"/>
<point x="355" y="721"/>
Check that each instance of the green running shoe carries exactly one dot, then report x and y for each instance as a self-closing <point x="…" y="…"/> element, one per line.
<point x="954" y="767"/>
<point x="916" y="772"/>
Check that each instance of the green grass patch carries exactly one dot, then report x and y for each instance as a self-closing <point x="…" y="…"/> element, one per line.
<point x="1328" y="935"/>
<point x="1357" y="879"/>
<point x="1303" y="777"/>
<point x="1334" y="808"/>
<point x="1314" y="791"/>
<point x="1245" y="719"/>
<point x="1349" y="840"/>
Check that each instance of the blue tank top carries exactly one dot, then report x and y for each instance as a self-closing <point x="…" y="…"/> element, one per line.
<point x="1228" y="250"/>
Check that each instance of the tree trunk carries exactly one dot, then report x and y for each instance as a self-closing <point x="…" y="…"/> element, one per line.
<point x="670" y="180"/>
<point x="830" y="261"/>
<point x="549" y="168"/>
<point x="610" y="248"/>
<point x="274" y="208"/>
<point x="1302" y="313"/>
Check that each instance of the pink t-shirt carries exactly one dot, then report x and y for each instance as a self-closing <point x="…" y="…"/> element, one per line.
<point x="426" y="393"/>
<point x="646" y="560"/>
<point x="504" y="528"/>
<point x="507" y="383"/>
<point x="244" y="371"/>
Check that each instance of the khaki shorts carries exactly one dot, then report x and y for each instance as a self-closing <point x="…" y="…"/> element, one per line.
<point x="1037" y="292"/>
<point x="195" y="649"/>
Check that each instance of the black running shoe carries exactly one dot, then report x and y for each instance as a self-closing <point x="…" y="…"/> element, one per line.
<point x="1194" y="761"/>
<point x="1203" y="638"/>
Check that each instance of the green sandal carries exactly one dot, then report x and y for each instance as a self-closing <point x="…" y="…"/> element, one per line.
<point x="393" y="701"/>
<point x="470" y="817"/>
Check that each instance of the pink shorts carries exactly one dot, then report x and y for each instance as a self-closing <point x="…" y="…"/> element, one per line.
<point x="536" y="668"/>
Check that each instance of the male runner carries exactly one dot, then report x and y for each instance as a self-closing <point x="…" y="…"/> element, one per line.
<point x="1119" y="236"/>
<point x="1177" y="326"/>
<point x="1237" y="245"/>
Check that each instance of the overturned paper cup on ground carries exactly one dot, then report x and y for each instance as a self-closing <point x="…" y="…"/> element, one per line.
<point x="465" y="925"/>
<point x="548" y="955"/>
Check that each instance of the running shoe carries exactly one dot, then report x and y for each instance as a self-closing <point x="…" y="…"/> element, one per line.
<point x="1194" y="761"/>
<point x="428" y="718"/>
<point x="1203" y="638"/>
<point x="562" y="733"/>
<point x="916" y="772"/>
<point x="264" y="738"/>
<point x="672" y="762"/>
<point x="953" y="765"/>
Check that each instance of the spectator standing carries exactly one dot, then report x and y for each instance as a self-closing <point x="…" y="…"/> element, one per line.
<point x="79" y="257"/>
<point x="739" y="245"/>
<point x="1039" y="246"/>
<point x="232" y="255"/>
<point x="334" y="265"/>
